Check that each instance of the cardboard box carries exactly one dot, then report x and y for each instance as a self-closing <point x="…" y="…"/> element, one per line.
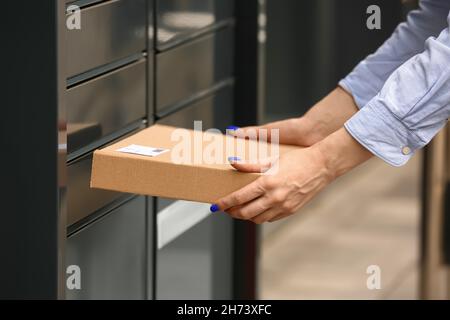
<point x="193" y="166"/>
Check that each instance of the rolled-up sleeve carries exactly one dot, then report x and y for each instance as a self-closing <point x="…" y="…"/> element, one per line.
<point x="412" y="106"/>
<point x="368" y="77"/>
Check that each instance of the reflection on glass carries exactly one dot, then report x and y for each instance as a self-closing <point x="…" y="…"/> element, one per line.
<point x="178" y="19"/>
<point x="188" y="20"/>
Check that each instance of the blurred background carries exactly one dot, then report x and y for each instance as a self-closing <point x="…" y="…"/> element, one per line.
<point x="369" y="217"/>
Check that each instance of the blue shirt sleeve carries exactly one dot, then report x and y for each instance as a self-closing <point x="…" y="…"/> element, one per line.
<point x="412" y="106"/>
<point x="368" y="77"/>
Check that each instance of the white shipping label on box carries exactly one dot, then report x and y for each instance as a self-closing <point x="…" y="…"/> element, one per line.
<point x="142" y="150"/>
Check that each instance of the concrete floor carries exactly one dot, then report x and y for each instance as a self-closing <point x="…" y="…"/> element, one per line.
<point x="368" y="217"/>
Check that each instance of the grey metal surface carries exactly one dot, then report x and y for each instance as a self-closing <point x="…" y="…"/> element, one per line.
<point x="184" y="267"/>
<point x="109" y="31"/>
<point x="81" y="199"/>
<point x="29" y="228"/>
<point x="105" y="68"/>
<point x="215" y="111"/>
<point x="216" y="251"/>
<point x="103" y="105"/>
<point x="111" y="254"/>
<point x="150" y="60"/>
<point x="151" y="247"/>
<point x="222" y="256"/>
<point x="193" y="266"/>
<point x="62" y="149"/>
<point x="177" y="20"/>
<point x="189" y="69"/>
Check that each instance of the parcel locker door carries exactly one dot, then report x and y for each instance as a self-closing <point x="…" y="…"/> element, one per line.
<point x="214" y="111"/>
<point x="194" y="256"/>
<point x="82" y="200"/>
<point x="184" y="264"/>
<point x="189" y="70"/>
<point x="110" y="31"/>
<point x="111" y="254"/>
<point x="104" y="106"/>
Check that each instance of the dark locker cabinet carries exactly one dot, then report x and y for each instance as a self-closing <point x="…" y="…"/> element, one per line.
<point x="133" y="63"/>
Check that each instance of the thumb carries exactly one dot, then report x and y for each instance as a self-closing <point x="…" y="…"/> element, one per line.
<point x="260" y="166"/>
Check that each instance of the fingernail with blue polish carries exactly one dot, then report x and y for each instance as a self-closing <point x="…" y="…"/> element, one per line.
<point x="234" y="159"/>
<point x="214" y="208"/>
<point x="232" y="128"/>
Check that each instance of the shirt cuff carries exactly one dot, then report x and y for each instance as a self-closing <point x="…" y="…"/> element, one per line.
<point x="383" y="134"/>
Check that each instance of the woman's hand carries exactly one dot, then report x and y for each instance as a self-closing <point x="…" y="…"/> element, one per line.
<point x="293" y="179"/>
<point x="327" y="116"/>
<point x="300" y="176"/>
<point x="294" y="131"/>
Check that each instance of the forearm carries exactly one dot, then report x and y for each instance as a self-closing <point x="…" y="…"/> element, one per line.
<point x="328" y="115"/>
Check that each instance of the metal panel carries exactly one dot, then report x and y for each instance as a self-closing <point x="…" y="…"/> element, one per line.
<point x="216" y="251"/>
<point x="178" y="20"/>
<point x="29" y="235"/>
<point x="81" y="199"/>
<point x="151" y="247"/>
<point x="215" y="111"/>
<point x="111" y="254"/>
<point x="186" y="71"/>
<point x="62" y="150"/>
<point x="109" y="31"/>
<point x="197" y="264"/>
<point x="106" y="104"/>
<point x="184" y="267"/>
<point x="150" y="61"/>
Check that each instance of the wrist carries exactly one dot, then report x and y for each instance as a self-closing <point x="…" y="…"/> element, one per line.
<point x="340" y="152"/>
<point x="314" y="130"/>
<point x="328" y="115"/>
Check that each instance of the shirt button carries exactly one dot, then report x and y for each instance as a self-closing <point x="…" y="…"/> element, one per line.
<point x="406" y="150"/>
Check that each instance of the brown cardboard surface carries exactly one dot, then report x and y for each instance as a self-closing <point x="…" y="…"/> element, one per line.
<point x="160" y="176"/>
